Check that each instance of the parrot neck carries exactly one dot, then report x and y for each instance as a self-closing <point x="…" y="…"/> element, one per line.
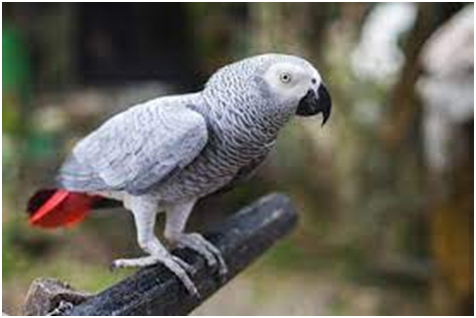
<point x="245" y="121"/>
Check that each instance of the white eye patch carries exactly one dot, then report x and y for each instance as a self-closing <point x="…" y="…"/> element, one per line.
<point x="288" y="80"/>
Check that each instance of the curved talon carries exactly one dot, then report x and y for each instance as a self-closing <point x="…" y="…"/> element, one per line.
<point x="182" y="275"/>
<point x="186" y="266"/>
<point x="189" y="242"/>
<point x="222" y="268"/>
<point x="113" y="267"/>
<point x="199" y="244"/>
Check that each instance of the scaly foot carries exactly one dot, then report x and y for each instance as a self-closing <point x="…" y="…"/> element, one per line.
<point x="199" y="244"/>
<point x="173" y="263"/>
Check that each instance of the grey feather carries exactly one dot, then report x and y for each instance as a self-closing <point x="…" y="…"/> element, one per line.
<point x="168" y="153"/>
<point x="185" y="147"/>
<point x="243" y="174"/>
<point x="138" y="148"/>
<point x="76" y="176"/>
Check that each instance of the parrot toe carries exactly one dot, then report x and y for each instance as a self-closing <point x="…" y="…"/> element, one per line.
<point x="177" y="266"/>
<point x="199" y="244"/>
<point x="186" y="266"/>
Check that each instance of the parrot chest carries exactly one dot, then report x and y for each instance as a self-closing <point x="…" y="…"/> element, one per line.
<point x="233" y="146"/>
<point x="214" y="168"/>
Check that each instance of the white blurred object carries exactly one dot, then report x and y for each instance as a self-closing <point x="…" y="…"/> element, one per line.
<point x="450" y="49"/>
<point x="378" y="56"/>
<point x="447" y="88"/>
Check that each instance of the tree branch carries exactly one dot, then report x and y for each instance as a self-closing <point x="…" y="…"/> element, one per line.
<point x="156" y="291"/>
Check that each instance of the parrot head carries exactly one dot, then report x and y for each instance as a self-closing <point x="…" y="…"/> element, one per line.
<point x="285" y="84"/>
<point x="295" y="82"/>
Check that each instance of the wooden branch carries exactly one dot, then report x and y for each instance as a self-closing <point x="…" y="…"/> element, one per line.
<point x="155" y="291"/>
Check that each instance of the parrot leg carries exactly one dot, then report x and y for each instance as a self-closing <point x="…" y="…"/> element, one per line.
<point x="177" y="216"/>
<point x="144" y="215"/>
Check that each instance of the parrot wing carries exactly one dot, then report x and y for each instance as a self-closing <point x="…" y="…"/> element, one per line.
<point x="136" y="149"/>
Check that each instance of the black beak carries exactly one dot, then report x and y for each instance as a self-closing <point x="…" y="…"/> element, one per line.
<point x="313" y="104"/>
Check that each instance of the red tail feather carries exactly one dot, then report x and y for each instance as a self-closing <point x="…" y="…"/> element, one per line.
<point x="59" y="208"/>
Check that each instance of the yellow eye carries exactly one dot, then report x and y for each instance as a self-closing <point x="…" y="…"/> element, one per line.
<point x="285" y="77"/>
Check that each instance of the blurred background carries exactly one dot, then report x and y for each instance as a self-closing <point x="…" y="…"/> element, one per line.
<point x="384" y="191"/>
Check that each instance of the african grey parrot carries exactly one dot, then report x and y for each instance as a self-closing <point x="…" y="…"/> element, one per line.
<point x="167" y="153"/>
